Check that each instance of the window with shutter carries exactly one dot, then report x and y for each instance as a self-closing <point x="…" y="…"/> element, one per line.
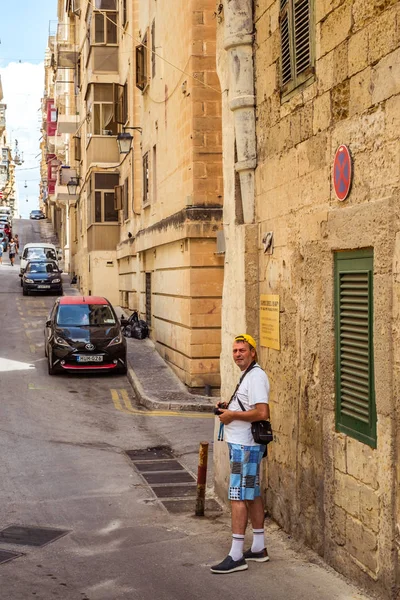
<point x="355" y="391"/>
<point x="297" y="43"/>
<point x="141" y="53"/>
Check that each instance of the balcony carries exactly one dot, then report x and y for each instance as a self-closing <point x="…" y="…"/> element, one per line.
<point x="61" y="188"/>
<point x="67" y="124"/>
<point x="103" y="59"/>
<point x="66" y="50"/>
<point x="102" y="149"/>
<point x="103" y="236"/>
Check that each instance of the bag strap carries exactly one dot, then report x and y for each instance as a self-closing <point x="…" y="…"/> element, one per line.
<point x="249" y="368"/>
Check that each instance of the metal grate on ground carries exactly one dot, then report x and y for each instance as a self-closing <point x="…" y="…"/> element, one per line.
<point x="30" y="536"/>
<point x="172" y="484"/>
<point x="7" y="556"/>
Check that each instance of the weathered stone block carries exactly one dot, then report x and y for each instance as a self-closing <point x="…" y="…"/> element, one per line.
<point x="369" y="508"/>
<point x="357" y="52"/>
<point x="386" y="77"/>
<point x="340" y="101"/>
<point x="347" y="493"/>
<point x="361" y="543"/>
<point x="383" y="35"/>
<point x="339" y="452"/>
<point x="362" y="462"/>
<point x="336" y="27"/>
<point x="360" y="92"/>
<point x="322" y="113"/>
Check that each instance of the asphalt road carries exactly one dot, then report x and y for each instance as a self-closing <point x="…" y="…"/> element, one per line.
<point x="64" y="466"/>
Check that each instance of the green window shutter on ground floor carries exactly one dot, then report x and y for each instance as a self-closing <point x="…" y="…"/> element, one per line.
<point x="355" y="391"/>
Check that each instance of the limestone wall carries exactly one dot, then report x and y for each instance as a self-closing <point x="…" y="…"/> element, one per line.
<point x="333" y="492"/>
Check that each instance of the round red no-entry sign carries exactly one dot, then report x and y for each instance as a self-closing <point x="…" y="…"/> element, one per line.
<point x="342" y="172"/>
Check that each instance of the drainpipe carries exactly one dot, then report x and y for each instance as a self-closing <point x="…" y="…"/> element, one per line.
<point x="238" y="43"/>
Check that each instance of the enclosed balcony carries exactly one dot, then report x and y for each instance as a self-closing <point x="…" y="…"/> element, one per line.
<point x="102" y="149"/>
<point x="63" y="191"/>
<point x="66" y="49"/>
<point x="102" y="236"/>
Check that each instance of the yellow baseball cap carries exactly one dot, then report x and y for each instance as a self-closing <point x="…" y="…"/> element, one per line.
<point x="245" y="337"/>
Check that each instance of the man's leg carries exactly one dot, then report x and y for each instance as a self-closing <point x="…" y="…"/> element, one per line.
<point x="258" y="551"/>
<point x="239" y="523"/>
<point x="256" y="512"/>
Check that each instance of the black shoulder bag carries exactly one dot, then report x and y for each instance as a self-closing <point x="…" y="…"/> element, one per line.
<point x="261" y="430"/>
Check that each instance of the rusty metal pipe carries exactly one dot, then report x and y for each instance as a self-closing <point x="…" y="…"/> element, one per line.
<point x="201" y="479"/>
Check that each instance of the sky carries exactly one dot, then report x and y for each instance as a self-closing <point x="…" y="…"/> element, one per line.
<point x="24" y="31"/>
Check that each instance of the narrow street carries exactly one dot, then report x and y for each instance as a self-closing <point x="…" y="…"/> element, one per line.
<point x="64" y="443"/>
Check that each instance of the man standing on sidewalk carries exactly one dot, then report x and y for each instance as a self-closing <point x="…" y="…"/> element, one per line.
<point x="252" y="392"/>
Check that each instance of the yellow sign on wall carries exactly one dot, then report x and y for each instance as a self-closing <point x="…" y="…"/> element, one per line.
<point x="269" y="321"/>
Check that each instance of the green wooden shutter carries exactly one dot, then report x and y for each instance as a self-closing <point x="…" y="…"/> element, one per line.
<point x="302" y="42"/>
<point x="286" y="44"/>
<point x="355" y="394"/>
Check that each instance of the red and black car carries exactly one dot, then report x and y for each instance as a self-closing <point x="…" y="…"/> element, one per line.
<point x="83" y="334"/>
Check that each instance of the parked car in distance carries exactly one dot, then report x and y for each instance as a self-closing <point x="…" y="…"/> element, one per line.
<point x="37" y="251"/>
<point x="37" y="214"/>
<point x="83" y="334"/>
<point x="42" y="276"/>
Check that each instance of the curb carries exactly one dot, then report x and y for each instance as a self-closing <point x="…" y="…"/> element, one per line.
<point x="153" y="404"/>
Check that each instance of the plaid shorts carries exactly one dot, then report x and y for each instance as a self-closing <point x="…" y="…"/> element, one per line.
<point x="244" y="483"/>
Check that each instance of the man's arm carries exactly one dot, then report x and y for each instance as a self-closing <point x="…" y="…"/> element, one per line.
<point x="259" y="413"/>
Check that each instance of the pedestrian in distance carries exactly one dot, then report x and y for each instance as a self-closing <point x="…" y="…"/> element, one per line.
<point x="12" y="251"/>
<point x="1" y="254"/>
<point x="16" y="240"/>
<point x="249" y="403"/>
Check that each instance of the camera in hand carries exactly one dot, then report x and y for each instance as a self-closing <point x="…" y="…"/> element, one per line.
<point x="217" y="409"/>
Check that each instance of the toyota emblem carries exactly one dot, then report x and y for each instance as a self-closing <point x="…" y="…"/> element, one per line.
<point x="89" y="347"/>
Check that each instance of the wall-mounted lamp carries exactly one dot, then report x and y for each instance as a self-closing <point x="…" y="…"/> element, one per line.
<point x="72" y="186"/>
<point x="125" y="139"/>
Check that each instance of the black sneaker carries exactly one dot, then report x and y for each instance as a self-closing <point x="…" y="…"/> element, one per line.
<point x="256" y="556"/>
<point x="228" y="565"/>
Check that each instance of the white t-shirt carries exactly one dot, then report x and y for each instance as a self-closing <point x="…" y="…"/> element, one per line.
<point x="253" y="390"/>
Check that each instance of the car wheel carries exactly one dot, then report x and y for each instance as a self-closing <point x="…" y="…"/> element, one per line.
<point x="21" y="282"/>
<point x="45" y="346"/>
<point x="25" y="291"/>
<point x="51" y="370"/>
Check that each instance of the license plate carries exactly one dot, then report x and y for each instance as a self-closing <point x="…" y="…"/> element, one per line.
<point x="43" y="287"/>
<point x="87" y="358"/>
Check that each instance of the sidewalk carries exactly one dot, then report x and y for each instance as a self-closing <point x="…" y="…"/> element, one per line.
<point x="155" y="383"/>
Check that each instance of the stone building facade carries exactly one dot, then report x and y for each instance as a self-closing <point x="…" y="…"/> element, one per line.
<point x="168" y="266"/>
<point x="142" y="225"/>
<point x="316" y="76"/>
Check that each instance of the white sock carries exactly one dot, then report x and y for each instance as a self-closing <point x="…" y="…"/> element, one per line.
<point x="258" y="540"/>
<point x="236" y="550"/>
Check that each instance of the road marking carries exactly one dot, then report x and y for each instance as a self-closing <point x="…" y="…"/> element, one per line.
<point x="33" y="386"/>
<point x="128" y="408"/>
<point x="32" y="348"/>
<point x="116" y="400"/>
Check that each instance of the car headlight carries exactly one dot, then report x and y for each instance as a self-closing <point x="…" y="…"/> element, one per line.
<point x="61" y="342"/>
<point x="56" y="280"/>
<point x="29" y="280"/>
<point x="117" y="340"/>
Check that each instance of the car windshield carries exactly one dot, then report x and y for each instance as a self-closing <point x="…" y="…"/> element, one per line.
<point x="85" y="314"/>
<point x="40" y="254"/>
<point x="42" y="267"/>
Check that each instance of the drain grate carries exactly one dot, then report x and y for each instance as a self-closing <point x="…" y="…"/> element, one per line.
<point x="168" y="477"/>
<point x="150" y="453"/>
<point x="175" y="491"/>
<point x="158" y="465"/>
<point x="7" y="556"/>
<point x="30" y="536"/>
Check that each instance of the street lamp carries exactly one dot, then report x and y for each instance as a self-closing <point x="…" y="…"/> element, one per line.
<point x="125" y="139"/>
<point x="72" y="186"/>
